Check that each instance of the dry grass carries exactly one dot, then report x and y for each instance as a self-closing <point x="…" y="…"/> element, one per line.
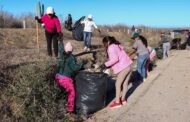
<point x="28" y="91"/>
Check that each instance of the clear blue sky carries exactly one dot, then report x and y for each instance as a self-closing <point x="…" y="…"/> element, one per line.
<point x="155" y="13"/>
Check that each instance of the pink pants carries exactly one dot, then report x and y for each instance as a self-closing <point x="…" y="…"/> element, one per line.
<point x="67" y="83"/>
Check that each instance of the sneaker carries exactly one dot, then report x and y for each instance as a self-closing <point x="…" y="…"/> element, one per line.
<point x="115" y="105"/>
<point x="123" y="102"/>
<point x="85" y="48"/>
<point x="144" y="79"/>
<point x="88" y="49"/>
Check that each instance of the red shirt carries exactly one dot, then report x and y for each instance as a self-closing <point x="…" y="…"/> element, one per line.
<point x="51" y="24"/>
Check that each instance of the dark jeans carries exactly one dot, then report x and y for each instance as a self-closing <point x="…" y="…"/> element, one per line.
<point x="87" y="39"/>
<point x="49" y="37"/>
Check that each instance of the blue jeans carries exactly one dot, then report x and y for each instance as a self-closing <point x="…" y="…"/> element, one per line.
<point x="87" y="39"/>
<point x="141" y="64"/>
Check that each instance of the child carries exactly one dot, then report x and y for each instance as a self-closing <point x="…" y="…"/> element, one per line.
<point x="152" y="55"/>
<point x="67" y="67"/>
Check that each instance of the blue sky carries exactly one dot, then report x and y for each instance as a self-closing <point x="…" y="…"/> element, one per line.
<point x="155" y="13"/>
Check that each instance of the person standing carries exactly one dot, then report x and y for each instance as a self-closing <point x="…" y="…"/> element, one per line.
<point x="165" y="45"/>
<point x="52" y="30"/>
<point x="120" y="63"/>
<point x="89" y="24"/>
<point x="140" y="47"/>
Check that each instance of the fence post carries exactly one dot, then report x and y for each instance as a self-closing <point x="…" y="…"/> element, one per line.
<point x="24" y="24"/>
<point x="128" y="31"/>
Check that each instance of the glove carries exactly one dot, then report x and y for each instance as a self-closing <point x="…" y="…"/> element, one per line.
<point x="84" y="62"/>
<point x="99" y="31"/>
<point x="60" y="36"/>
<point x="102" y="67"/>
<point x="36" y="18"/>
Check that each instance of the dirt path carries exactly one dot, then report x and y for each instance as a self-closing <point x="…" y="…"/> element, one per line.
<point x="164" y="97"/>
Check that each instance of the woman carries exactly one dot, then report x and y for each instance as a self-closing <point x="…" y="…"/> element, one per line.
<point x="52" y="30"/>
<point x="88" y="28"/>
<point x="140" y="47"/>
<point x="120" y="63"/>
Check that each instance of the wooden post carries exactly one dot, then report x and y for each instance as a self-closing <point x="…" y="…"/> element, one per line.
<point x="37" y="29"/>
<point x="24" y="24"/>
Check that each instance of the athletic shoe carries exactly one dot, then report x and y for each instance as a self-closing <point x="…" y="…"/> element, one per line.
<point x="88" y="49"/>
<point x="144" y="79"/>
<point x="115" y="105"/>
<point x="123" y="102"/>
<point x="85" y="48"/>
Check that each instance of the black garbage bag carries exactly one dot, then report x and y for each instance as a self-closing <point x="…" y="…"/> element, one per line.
<point x="159" y="52"/>
<point x="68" y="23"/>
<point x="78" y="28"/>
<point x="91" y="89"/>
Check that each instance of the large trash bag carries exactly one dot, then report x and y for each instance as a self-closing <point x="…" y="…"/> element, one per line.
<point x="91" y="89"/>
<point x="68" y="23"/>
<point x="78" y="28"/>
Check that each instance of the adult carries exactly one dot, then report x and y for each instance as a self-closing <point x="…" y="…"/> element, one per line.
<point x="165" y="45"/>
<point x="52" y="30"/>
<point x="120" y="63"/>
<point x="89" y="24"/>
<point x="140" y="47"/>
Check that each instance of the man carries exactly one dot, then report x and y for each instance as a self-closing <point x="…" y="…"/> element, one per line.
<point x="166" y="45"/>
<point x="89" y="24"/>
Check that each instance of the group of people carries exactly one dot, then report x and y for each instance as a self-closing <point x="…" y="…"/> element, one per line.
<point x="118" y="60"/>
<point x="53" y="30"/>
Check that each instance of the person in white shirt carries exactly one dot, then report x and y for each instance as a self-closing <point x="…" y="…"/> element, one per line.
<point x="89" y="25"/>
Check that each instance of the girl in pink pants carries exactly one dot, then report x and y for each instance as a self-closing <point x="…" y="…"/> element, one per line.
<point x="67" y="84"/>
<point x="67" y="68"/>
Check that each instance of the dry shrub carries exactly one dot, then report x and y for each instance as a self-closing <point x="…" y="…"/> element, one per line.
<point x="32" y="95"/>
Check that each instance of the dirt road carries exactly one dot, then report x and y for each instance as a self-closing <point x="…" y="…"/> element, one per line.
<point x="164" y="97"/>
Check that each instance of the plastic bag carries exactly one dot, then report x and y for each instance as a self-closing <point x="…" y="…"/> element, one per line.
<point x="91" y="89"/>
<point x="78" y="28"/>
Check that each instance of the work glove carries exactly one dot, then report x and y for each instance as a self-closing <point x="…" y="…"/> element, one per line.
<point x="36" y="18"/>
<point x="102" y="67"/>
<point x="85" y="62"/>
<point x="60" y="36"/>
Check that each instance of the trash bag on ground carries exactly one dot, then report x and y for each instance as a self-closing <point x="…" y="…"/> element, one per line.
<point x="91" y="90"/>
<point x="78" y="28"/>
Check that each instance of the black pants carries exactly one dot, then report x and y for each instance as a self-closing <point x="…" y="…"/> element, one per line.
<point x="49" y="37"/>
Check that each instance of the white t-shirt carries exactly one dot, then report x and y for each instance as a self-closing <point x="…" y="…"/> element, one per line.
<point x="88" y="25"/>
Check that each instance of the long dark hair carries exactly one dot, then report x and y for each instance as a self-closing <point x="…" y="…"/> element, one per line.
<point x="144" y="40"/>
<point x="111" y="40"/>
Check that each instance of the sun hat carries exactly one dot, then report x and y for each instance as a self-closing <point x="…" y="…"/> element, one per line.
<point x="68" y="47"/>
<point x="50" y="10"/>
<point x="89" y="16"/>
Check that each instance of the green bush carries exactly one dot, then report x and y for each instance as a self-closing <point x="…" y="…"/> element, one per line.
<point x="33" y="95"/>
